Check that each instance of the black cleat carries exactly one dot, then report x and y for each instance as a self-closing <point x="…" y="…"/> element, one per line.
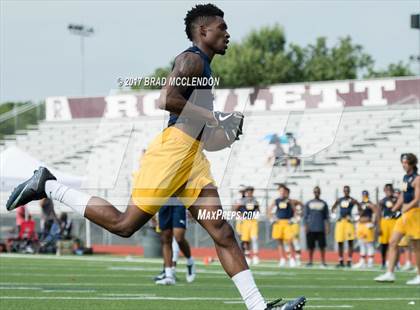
<point x="296" y="304"/>
<point x="32" y="189"/>
<point x="160" y="276"/>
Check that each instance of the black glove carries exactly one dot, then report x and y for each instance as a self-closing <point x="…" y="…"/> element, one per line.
<point x="231" y="122"/>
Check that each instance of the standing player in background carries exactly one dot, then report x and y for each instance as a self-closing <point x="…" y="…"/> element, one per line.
<point x="172" y="226"/>
<point x="317" y="225"/>
<point x="386" y="220"/>
<point x="282" y="210"/>
<point x="249" y="209"/>
<point x="344" y="228"/>
<point x="174" y="163"/>
<point x="409" y="222"/>
<point x="236" y="205"/>
<point x="295" y="229"/>
<point x="366" y="231"/>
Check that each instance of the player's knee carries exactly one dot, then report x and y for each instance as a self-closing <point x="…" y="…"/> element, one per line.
<point x="179" y="238"/>
<point x="166" y="237"/>
<point x="122" y="228"/>
<point x="394" y="243"/>
<point x="223" y="234"/>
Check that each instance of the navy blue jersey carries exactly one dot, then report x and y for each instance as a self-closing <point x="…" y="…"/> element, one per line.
<point x="366" y="211"/>
<point x="345" y="207"/>
<point x="284" y="209"/>
<point x="386" y="205"/>
<point x="248" y="204"/>
<point x="407" y="188"/>
<point x="315" y="214"/>
<point x="203" y="97"/>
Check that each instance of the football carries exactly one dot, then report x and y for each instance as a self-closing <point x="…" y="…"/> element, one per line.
<point x="215" y="139"/>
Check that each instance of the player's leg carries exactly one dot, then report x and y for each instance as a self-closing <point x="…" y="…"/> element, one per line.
<point x="370" y="254"/>
<point x="282" y="252"/>
<point x="179" y="234"/>
<point x="175" y="252"/>
<point x="43" y="184"/>
<point x="310" y="244"/>
<point x="416" y="250"/>
<point x="166" y="239"/>
<point x="340" y="254"/>
<point x="298" y="250"/>
<point x="291" y="253"/>
<point x="123" y="224"/>
<point x="384" y="251"/>
<point x="363" y="253"/>
<point x="350" y="252"/>
<point x="392" y="258"/>
<point x="184" y="246"/>
<point x="254" y="244"/>
<point x="322" y="242"/>
<point x="247" y="252"/>
<point x="229" y="253"/>
<point x="339" y="236"/>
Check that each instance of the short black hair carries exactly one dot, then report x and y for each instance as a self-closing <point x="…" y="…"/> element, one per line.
<point x="390" y="186"/>
<point x="198" y="12"/>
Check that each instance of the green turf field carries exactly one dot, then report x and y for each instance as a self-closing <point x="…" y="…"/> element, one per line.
<point x="97" y="282"/>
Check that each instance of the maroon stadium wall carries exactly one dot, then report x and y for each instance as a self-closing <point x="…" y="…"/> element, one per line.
<point x="317" y="95"/>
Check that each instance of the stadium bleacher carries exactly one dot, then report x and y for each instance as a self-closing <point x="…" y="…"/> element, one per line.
<point x="358" y="146"/>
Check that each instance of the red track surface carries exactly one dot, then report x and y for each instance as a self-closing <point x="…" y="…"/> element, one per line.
<point x="268" y="254"/>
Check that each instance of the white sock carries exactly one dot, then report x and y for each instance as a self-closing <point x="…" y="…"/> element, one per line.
<point x="190" y="261"/>
<point x="168" y="272"/>
<point x="245" y="283"/>
<point x="70" y="197"/>
<point x="175" y="250"/>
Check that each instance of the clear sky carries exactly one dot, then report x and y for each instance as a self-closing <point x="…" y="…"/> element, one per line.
<point x="40" y="58"/>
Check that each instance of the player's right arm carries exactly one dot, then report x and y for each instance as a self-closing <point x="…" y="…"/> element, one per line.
<point x="398" y="204"/>
<point x="270" y="210"/>
<point x="334" y="206"/>
<point x="187" y="65"/>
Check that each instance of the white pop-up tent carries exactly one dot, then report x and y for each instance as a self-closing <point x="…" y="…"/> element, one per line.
<point x="17" y="166"/>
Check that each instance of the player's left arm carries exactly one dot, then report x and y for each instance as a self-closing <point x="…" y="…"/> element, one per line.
<point x="375" y="211"/>
<point x="359" y="206"/>
<point x="398" y="204"/>
<point x="415" y="202"/>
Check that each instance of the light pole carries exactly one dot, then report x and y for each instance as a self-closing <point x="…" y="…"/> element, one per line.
<point x="83" y="31"/>
<point x="415" y="24"/>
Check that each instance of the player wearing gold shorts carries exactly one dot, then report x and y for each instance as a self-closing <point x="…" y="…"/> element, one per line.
<point x="174" y="164"/>
<point x="281" y="212"/>
<point x="386" y="220"/>
<point x="366" y="231"/>
<point x="344" y="228"/>
<point x="409" y="223"/>
<point x="249" y="209"/>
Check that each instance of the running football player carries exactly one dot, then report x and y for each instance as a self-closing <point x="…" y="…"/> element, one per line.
<point x="409" y="223"/>
<point x="174" y="163"/>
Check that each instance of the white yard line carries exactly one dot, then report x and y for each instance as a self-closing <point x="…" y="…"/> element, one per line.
<point x="10" y="286"/>
<point x="130" y="259"/>
<point x="195" y="298"/>
<point x="85" y="284"/>
<point x="306" y="306"/>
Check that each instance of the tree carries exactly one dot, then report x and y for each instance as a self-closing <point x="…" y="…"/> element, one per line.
<point x="398" y="69"/>
<point x="263" y="58"/>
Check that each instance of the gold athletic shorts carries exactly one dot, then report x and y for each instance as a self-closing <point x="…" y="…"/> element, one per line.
<point x="174" y="165"/>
